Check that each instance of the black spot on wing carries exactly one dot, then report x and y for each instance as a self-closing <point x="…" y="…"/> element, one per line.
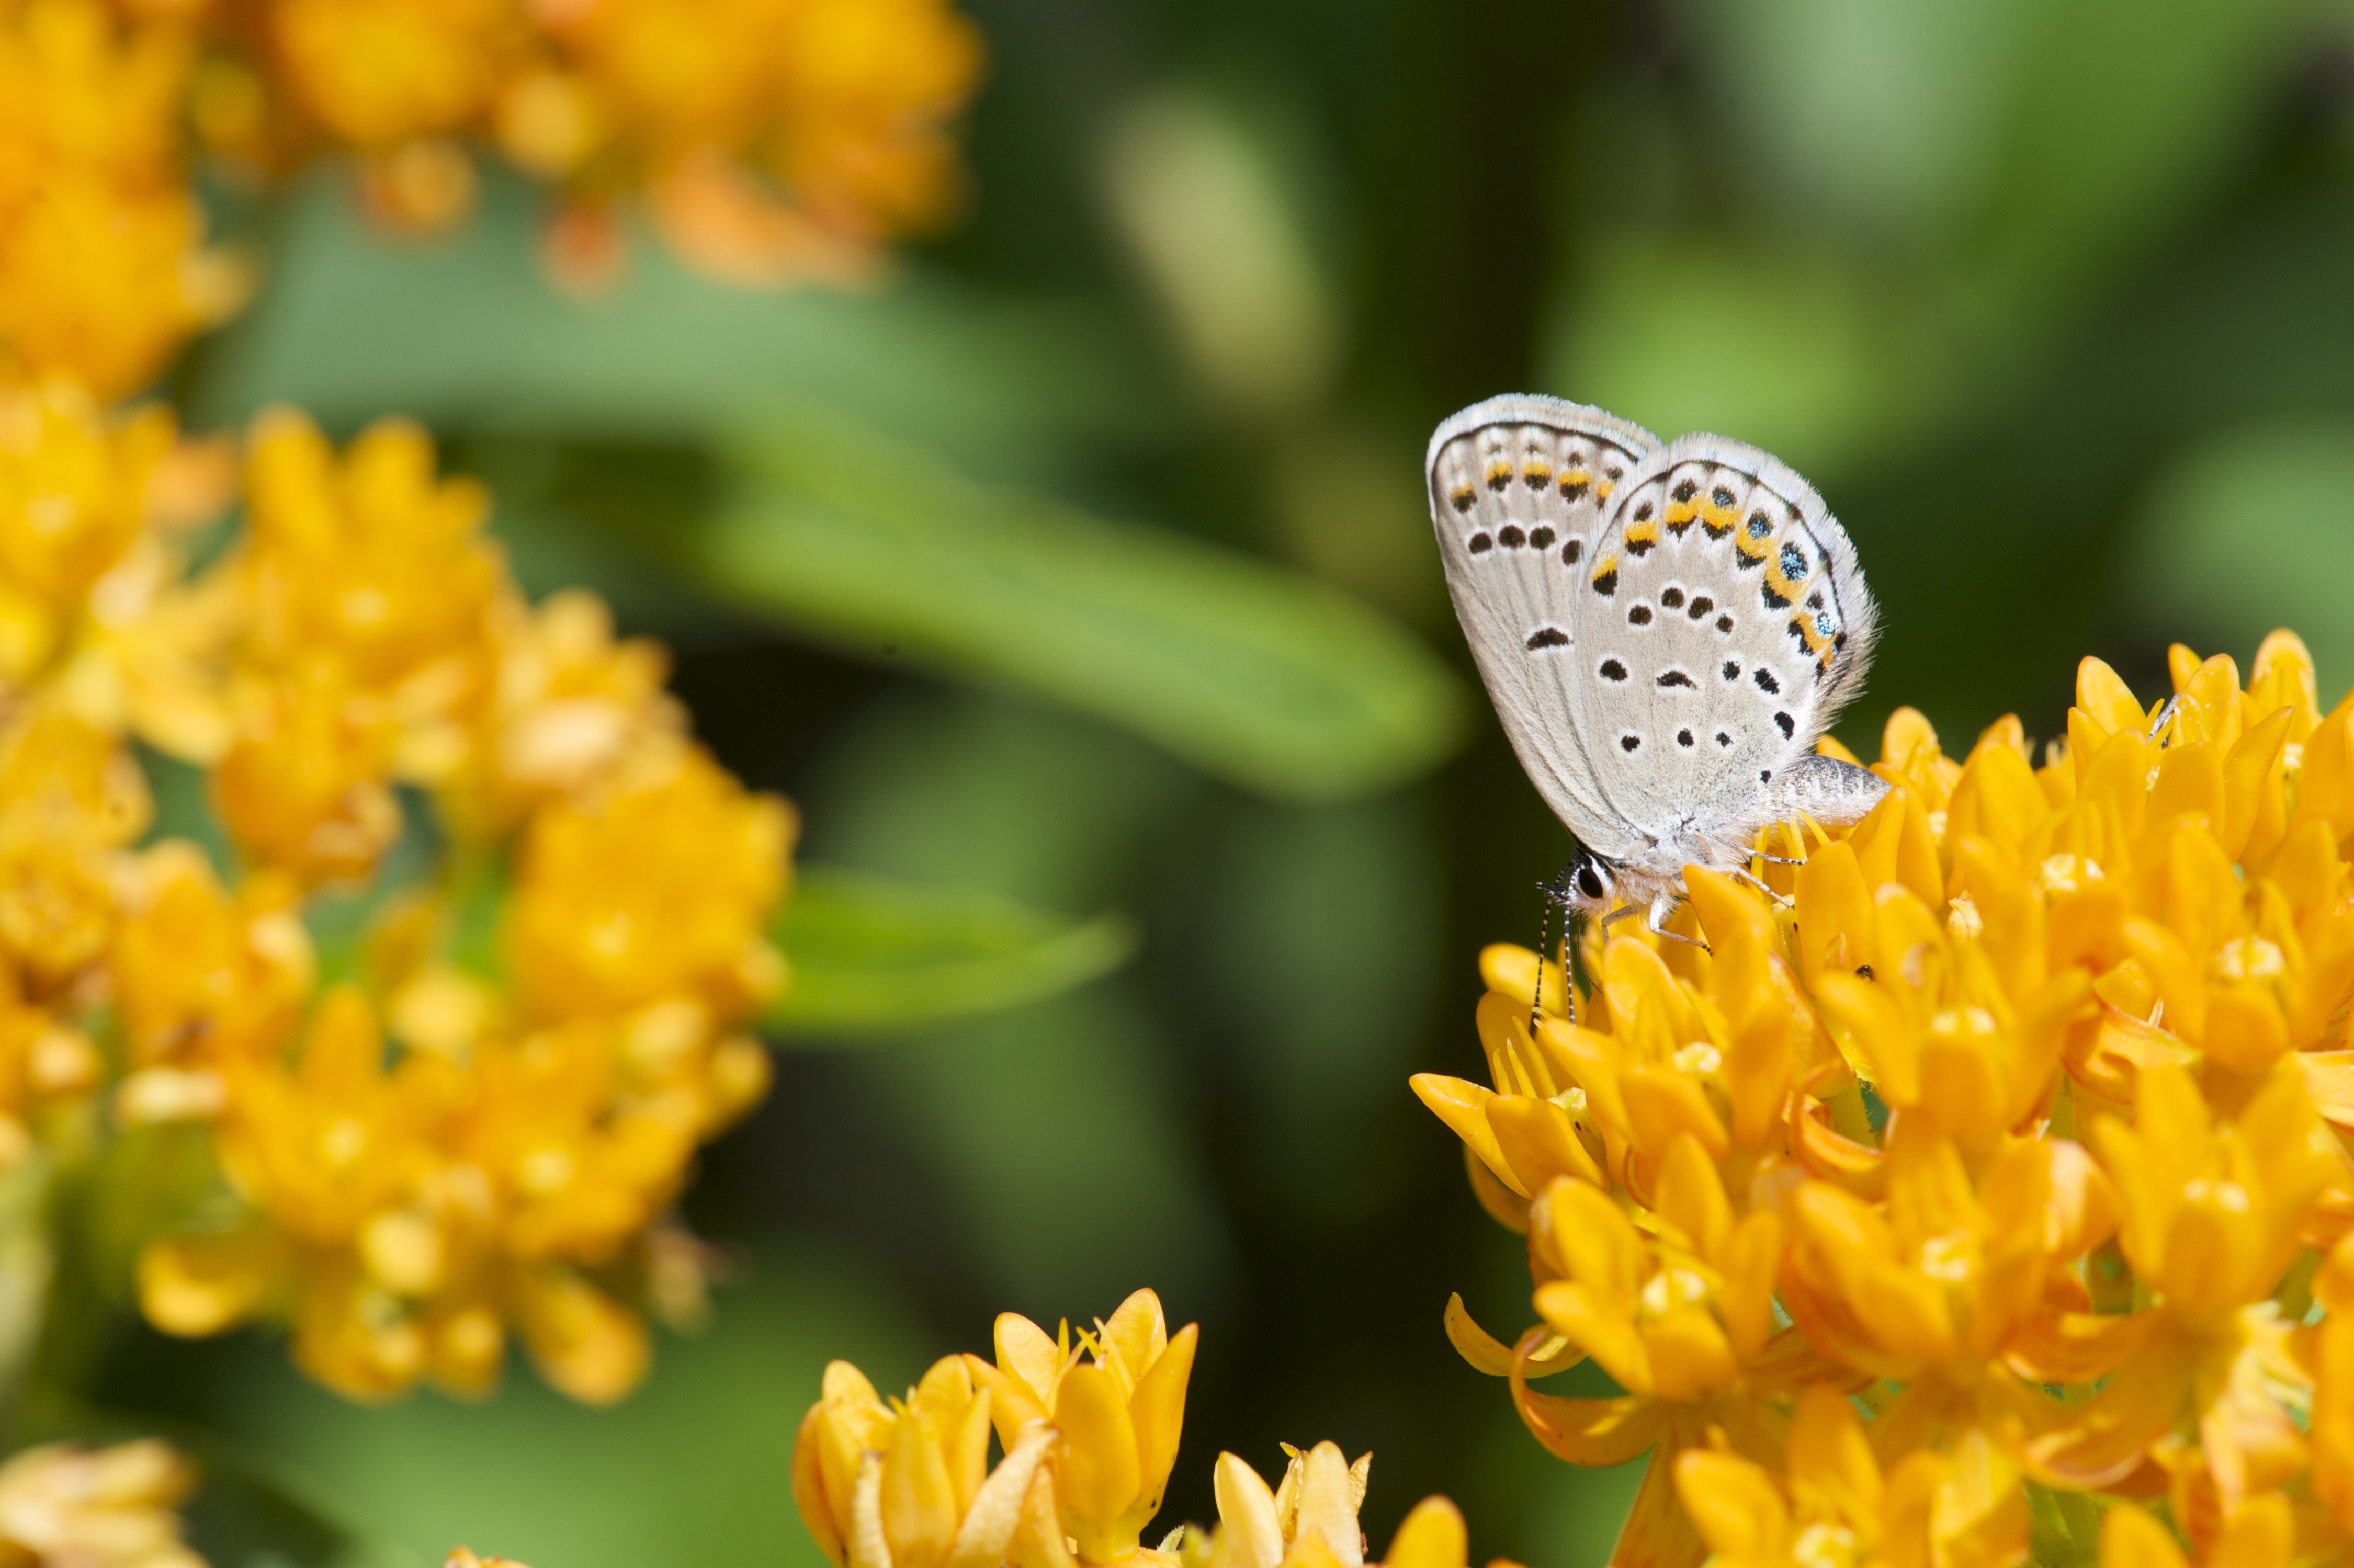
<point x="1548" y="637"/>
<point x="1510" y="536"/>
<point x="1571" y="551"/>
<point x="1611" y="669"/>
<point x="1767" y="682"/>
<point x="1630" y="742"/>
<point x="1676" y="678"/>
<point x="1701" y="608"/>
<point x="1480" y="544"/>
<point x="1639" y="615"/>
<point x="1540" y="539"/>
<point x="1607" y="583"/>
<point x="1787" y="726"/>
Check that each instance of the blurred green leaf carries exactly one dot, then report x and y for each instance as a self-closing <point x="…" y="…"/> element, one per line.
<point x="2105" y="149"/>
<point x="1059" y="1133"/>
<point x="1785" y="345"/>
<point x="2248" y="530"/>
<point x="247" y="1514"/>
<point x="870" y="953"/>
<point x="1227" y="251"/>
<point x="1259" y="676"/>
<point x="692" y="1468"/>
<point x="1884" y="116"/>
<point x="465" y="332"/>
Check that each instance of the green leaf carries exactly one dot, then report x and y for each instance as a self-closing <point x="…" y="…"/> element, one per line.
<point x="464" y="331"/>
<point x="2245" y="532"/>
<point x="869" y="953"/>
<point x="2095" y="163"/>
<point x="1257" y="674"/>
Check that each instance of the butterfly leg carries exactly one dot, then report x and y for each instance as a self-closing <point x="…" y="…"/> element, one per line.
<point x="2157" y="725"/>
<point x="1741" y="874"/>
<point x="1662" y="908"/>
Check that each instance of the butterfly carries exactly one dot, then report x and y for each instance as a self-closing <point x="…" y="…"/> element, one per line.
<point x="1666" y="631"/>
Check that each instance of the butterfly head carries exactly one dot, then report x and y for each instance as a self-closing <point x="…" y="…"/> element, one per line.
<point x="1587" y="885"/>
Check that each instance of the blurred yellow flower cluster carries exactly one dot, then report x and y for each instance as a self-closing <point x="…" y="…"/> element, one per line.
<point x="480" y="1129"/>
<point x="103" y="271"/>
<point x="772" y="139"/>
<point x="1987" y="1187"/>
<point x="1086" y="1428"/>
<point x="67" y="1507"/>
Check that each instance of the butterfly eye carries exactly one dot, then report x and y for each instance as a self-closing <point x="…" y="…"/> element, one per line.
<point x="1589" y="882"/>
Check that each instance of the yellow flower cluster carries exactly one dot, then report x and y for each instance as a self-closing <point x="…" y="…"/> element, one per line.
<point x="1086" y="1434"/>
<point x="773" y="139"/>
<point x="774" y="136"/>
<point x="103" y="269"/>
<point x="565" y="986"/>
<point x="1987" y="1187"/>
<point x="66" y="1507"/>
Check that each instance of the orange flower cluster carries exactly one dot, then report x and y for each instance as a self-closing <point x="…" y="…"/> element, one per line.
<point x="1088" y="1435"/>
<point x="773" y="139"/>
<point x="2015" y="1120"/>
<point x="562" y="902"/>
<point x="103" y="269"/>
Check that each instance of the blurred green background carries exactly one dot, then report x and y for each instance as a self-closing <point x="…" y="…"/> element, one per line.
<point x="1084" y="565"/>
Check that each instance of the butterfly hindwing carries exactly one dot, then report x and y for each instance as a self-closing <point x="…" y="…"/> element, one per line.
<point x="1724" y="621"/>
<point x="1519" y="486"/>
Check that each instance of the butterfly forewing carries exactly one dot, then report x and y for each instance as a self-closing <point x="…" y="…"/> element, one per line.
<point x="1723" y="619"/>
<point x="1518" y="489"/>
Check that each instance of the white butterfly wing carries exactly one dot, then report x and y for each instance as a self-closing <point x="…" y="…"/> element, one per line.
<point x="1518" y="488"/>
<point x="1723" y="623"/>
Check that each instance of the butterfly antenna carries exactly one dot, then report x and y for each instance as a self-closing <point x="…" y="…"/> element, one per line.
<point x="1544" y="942"/>
<point x="1570" y="929"/>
